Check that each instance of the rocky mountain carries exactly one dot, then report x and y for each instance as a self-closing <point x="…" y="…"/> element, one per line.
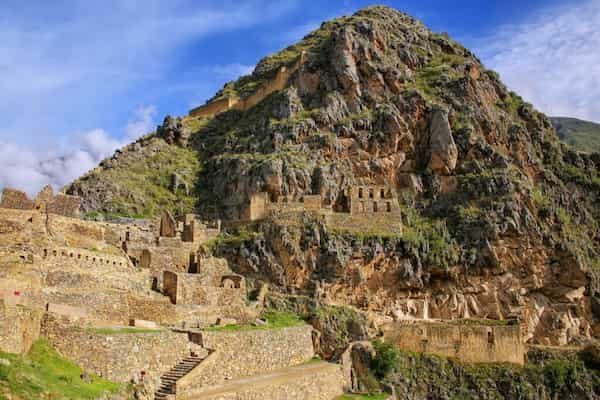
<point x="500" y="218"/>
<point x="583" y="135"/>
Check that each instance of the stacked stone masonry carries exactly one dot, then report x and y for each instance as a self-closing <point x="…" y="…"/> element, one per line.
<point x="277" y="83"/>
<point x="19" y="326"/>
<point x="120" y="356"/>
<point x="263" y="351"/>
<point x="314" y="381"/>
<point x="469" y="343"/>
<point x="46" y="201"/>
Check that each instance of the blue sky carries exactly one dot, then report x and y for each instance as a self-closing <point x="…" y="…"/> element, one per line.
<point x="80" y="78"/>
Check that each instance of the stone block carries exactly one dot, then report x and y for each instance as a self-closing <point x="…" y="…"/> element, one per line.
<point x="141" y="323"/>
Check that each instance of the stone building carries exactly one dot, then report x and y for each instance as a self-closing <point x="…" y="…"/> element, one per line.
<point x="46" y="201"/>
<point x="214" y="284"/>
<point x="368" y="199"/>
<point x="465" y="340"/>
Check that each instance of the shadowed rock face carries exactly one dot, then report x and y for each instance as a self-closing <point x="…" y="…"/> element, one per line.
<point x="501" y="219"/>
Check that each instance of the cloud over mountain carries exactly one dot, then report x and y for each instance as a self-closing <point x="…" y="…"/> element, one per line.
<point x="552" y="59"/>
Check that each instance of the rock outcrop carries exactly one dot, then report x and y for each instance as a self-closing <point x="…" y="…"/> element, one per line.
<point x="500" y="218"/>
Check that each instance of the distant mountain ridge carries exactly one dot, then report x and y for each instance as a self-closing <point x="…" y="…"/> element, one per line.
<point x="583" y="135"/>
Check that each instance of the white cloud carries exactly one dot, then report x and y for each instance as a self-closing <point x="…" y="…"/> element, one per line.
<point x="69" y="64"/>
<point x="143" y="122"/>
<point x="231" y="71"/>
<point x="29" y="170"/>
<point x="552" y="59"/>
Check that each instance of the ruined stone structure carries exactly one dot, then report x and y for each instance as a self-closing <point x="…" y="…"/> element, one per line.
<point x="19" y="326"/>
<point x="367" y="199"/>
<point x="46" y="201"/>
<point x="233" y="102"/>
<point x="215" y="288"/>
<point x="257" y="208"/>
<point x="468" y="341"/>
<point x="16" y="199"/>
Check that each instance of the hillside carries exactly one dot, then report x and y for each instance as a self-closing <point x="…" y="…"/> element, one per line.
<point x="583" y="135"/>
<point x="500" y="219"/>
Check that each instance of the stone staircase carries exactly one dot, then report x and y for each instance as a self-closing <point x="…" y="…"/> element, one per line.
<point x="169" y="378"/>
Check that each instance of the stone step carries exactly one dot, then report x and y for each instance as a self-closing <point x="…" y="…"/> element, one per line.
<point x="175" y="374"/>
<point x="169" y="379"/>
<point x="181" y="370"/>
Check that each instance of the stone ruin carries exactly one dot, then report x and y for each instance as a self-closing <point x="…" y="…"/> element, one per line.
<point x="468" y="341"/>
<point x="46" y="202"/>
<point x="371" y="199"/>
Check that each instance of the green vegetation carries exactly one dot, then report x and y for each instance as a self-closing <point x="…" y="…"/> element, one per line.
<point x="364" y="397"/>
<point x="583" y="135"/>
<point x="196" y="124"/>
<point x="42" y="373"/>
<point x="140" y="181"/>
<point x="122" y="330"/>
<point x="512" y="103"/>
<point x="441" y="67"/>
<point x="539" y="199"/>
<point x="273" y="320"/>
<point x="386" y="358"/>
<point x="431" y="234"/>
<point x="232" y="239"/>
<point x="419" y="374"/>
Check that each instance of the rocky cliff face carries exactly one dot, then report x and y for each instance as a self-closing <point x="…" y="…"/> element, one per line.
<point x="501" y="219"/>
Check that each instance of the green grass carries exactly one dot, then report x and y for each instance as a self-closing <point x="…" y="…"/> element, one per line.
<point x="123" y="330"/>
<point x="42" y="373"/>
<point x="364" y="397"/>
<point x="273" y="319"/>
<point x="144" y="179"/>
<point x="583" y="135"/>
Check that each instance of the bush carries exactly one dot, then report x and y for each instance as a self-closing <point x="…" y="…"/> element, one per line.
<point x="385" y="359"/>
<point x="559" y="373"/>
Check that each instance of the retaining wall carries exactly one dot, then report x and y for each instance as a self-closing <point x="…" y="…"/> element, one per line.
<point x="121" y="357"/>
<point x="237" y="354"/>
<point x="469" y="343"/>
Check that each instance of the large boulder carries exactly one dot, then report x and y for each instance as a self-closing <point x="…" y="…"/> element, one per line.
<point x="443" y="150"/>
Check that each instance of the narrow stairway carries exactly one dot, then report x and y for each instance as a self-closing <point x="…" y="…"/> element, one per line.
<point x="167" y="381"/>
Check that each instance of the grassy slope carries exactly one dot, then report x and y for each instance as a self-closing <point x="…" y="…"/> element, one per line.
<point x="42" y="373"/>
<point x="146" y="180"/>
<point x="583" y="135"/>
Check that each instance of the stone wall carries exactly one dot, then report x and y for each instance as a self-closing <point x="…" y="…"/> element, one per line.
<point x="469" y="343"/>
<point x="277" y="83"/>
<point x="16" y="199"/>
<point x="19" y="327"/>
<point x="364" y="223"/>
<point x="63" y="204"/>
<point x="247" y="352"/>
<point x="257" y="208"/>
<point x="372" y="199"/>
<point x="120" y="357"/>
<point x="315" y="381"/>
<point x="60" y="204"/>
<point x="183" y="288"/>
<point x="85" y="258"/>
<point x="214" y="107"/>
